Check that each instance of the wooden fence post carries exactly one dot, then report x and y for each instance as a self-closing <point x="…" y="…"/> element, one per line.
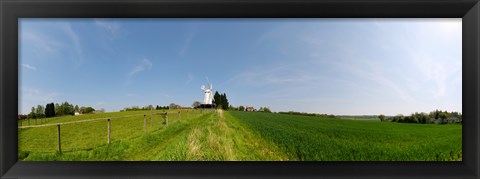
<point x="145" y="123"/>
<point x="166" y="119"/>
<point x="58" y="136"/>
<point x="108" y="130"/>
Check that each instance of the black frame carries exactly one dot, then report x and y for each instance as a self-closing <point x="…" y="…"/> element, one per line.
<point x="469" y="10"/>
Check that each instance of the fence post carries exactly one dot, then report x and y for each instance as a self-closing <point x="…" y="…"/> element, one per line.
<point x="58" y="136"/>
<point x="145" y="123"/>
<point x="108" y="130"/>
<point x="166" y="119"/>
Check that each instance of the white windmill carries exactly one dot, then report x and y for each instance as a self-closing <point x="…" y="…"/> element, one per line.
<point x="208" y="97"/>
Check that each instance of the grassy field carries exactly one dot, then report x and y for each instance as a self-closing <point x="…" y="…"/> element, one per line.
<point x="311" y="138"/>
<point x="244" y="136"/>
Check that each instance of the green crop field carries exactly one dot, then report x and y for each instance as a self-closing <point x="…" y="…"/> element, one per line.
<point x="241" y="136"/>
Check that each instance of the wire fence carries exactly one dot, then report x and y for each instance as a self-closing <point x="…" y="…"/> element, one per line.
<point x="114" y="128"/>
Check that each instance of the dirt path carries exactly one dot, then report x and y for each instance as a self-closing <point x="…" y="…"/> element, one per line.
<point x="220" y="113"/>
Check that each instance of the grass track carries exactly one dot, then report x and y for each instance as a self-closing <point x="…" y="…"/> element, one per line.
<point x="215" y="136"/>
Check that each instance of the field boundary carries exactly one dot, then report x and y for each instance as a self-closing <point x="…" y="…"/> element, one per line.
<point x="73" y="122"/>
<point x="108" y="119"/>
<point x="87" y="120"/>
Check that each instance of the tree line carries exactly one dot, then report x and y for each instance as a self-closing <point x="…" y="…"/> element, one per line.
<point x="149" y="107"/>
<point x="308" y="114"/>
<point x="437" y="116"/>
<point x="53" y="110"/>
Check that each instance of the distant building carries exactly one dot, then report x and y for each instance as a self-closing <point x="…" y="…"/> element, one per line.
<point x="250" y="109"/>
<point x="77" y="113"/>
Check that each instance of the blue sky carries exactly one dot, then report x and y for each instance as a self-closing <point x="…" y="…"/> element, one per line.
<point x="334" y="66"/>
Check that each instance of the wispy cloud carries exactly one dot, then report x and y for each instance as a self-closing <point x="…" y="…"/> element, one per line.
<point x="131" y="95"/>
<point x="99" y="104"/>
<point x="37" y="95"/>
<point x="32" y="97"/>
<point x="41" y="42"/>
<point x="190" y="78"/>
<point x="29" y="66"/>
<point x="113" y="29"/>
<point x="144" y="65"/>
<point x="186" y="45"/>
<point x="75" y="40"/>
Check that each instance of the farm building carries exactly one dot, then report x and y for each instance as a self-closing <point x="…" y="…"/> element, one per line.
<point x="250" y="109"/>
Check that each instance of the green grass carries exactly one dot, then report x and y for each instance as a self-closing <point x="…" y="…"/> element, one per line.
<point x="88" y="135"/>
<point x="317" y="139"/>
<point x="208" y="136"/>
<point x="239" y="136"/>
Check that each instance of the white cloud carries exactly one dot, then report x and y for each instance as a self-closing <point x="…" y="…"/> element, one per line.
<point x="144" y="65"/>
<point x="29" y="66"/>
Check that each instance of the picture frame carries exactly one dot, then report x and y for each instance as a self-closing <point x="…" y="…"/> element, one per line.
<point x="468" y="10"/>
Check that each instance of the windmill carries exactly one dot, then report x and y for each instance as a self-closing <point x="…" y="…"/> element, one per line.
<point x="208" y="96"/>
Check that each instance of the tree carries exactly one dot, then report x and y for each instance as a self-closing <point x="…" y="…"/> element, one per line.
<point x="443" y="117"/>
<point x="32" y="115"/>
<point x="196" y="104"/>
<point x="266" y="109"/>
<point x="22" y="117"/>
<point x="381" y="117"/>
<point x="76" y="108"/>
<point x="40" y="111"/>
<point x="150" y="107"/>
<point x="217" y="99"/>
<point x="50" y="110"/>
<point x="241" y="108"/>
<point x="58" y="110"/>
<point x="87" y="110"/>
<point x="225" y="101"/>
<point x="173" y="106"/>
<point x="67" y="109"/>
<point x="82" y="109"/>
